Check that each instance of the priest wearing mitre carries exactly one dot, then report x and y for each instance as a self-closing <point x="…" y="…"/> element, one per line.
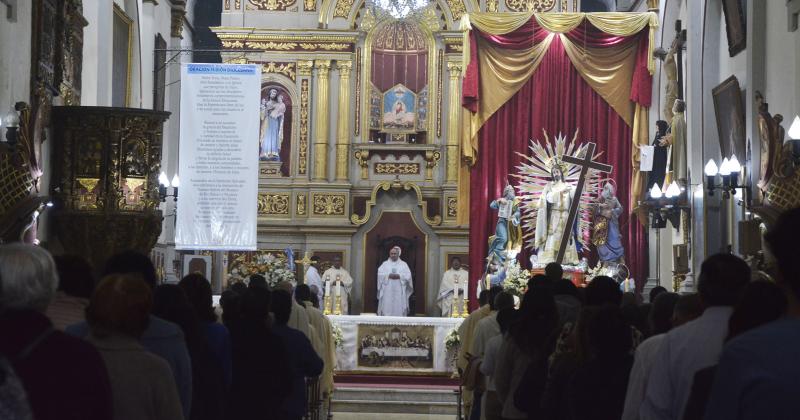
<point x="454" y="277"/>
<point x="394" y="285"/>
<point x="340" y="284"/>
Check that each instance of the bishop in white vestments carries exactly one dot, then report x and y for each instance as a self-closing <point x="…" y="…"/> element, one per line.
<point x="394" y="285"/>
<point x="455" y="276"/>
<point x="340" y="282"/>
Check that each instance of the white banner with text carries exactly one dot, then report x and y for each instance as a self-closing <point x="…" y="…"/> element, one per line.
<point x="217" y="208"/>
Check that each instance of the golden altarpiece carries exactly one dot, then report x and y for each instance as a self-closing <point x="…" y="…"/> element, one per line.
<point x="367" y="100"/>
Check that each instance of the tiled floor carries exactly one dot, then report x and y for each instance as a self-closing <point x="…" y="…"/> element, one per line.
<point x="395" y="416"/>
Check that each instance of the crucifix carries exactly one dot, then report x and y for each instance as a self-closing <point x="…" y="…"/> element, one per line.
<point x="585" y="163"/>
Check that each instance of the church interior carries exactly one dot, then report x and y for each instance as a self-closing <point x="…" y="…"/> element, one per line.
<point x="415" y="160"/>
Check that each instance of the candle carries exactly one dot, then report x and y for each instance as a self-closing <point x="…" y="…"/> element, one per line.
<point x="327" y="286"/>
<point x="338" y="287"/>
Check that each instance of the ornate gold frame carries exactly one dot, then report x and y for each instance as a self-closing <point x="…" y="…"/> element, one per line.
<point x="366" y="80"/>
<point x="396" y="185"/>
<point x="294" y="142"/>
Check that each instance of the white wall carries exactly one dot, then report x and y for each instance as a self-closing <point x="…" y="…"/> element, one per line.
<point x="782" y="68"/>
<point x="15" y="57"/>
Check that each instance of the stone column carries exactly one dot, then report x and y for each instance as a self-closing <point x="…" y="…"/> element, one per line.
<point x="453" y="119"/>
<point x="343" y="124"/>
<point x="321" y="120"/>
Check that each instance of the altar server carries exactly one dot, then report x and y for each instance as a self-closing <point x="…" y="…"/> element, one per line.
<point x="394" y="285"/>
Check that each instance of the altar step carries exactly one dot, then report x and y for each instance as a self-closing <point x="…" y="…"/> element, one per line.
<point x="438" y="401"/>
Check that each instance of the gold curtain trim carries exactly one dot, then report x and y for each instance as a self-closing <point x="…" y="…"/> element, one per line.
<point x="502" y="74"/>
<point x="608" y="71"/>
<point x="614" y="23"/>
<point x="639" y="138"/>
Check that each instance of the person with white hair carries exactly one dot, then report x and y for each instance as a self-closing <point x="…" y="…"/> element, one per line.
<point x="63" y="377"/>
<point x="394" y="285"/>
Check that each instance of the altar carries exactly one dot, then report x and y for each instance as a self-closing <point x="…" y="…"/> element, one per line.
<point x="393" y="345"/>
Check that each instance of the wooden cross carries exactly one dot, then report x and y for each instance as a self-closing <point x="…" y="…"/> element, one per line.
<point x="585" y="163"/>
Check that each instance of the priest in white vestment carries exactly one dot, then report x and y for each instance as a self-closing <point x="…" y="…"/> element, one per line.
<point x="394" y="285"/>
<point x="313" y="278"/>
<point x="452" y="277"/>
<point x="341" y="284"/>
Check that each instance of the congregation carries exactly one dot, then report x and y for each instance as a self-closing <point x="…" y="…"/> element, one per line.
<point x="128" y="348"/>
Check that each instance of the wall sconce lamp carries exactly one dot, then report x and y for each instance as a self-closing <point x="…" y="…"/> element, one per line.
<point x="794" y="140"/>
<point x="11" y="122"/>
<point x="729" y="171"/>
<point x="164" y="183"/>
<point x="664" y="205"/>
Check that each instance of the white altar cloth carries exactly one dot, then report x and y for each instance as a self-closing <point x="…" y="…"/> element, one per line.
<point x="425" y="337"/>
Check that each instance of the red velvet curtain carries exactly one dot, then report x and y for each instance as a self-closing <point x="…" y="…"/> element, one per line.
<point x="556" y="99"/>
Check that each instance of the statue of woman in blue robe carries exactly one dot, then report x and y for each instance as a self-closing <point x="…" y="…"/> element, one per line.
<point x="605" y="231"/>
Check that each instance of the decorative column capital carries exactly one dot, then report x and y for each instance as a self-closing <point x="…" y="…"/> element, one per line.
<point x="176" y="27"/>
<point x="323" y="67"/>
<point x="455" y="68"/>
<point x="344" y="67"/>
<point x="304" y="67"/>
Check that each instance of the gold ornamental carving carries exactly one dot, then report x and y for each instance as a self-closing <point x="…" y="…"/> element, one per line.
<point x="301" y="205"/>
<point x="440" y="87"/>
<point x="537" y="6"/>
<point x="270" y="5"/>
<point x="457" y="8"/>
<point x="328" y="204"/>
<point x="269" y="45"/>
<point x="431" y="160"/>
<point x="394" y="187"/>
<point x="303" y="152"/>
<point x="227" y="4"/>
<point x="286" y="69"/>
<point x="492" y="6"/>
<point x="106" y="179"/>
<point x="356" y="127"/>
<point x="270" y="170"/>
<point x="326" y="47"/>
<point x="176" y="27"/>
<point x="452" y="207"/>
<point x="269" y="204"/>
<point x="304" y="67"/>
<point x="391" y="168"/>
<point x="342" y="8"/>
<point x="309" y="5"/>
<point x="362" y="157"/>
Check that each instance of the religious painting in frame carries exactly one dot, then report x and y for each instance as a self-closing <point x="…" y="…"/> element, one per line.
<point x="735" y="25"/>
<point x="275" y="126"/>
<point x="729" y="111"/>
<point x="399" y="110"/>
<point x="395" y="347"/>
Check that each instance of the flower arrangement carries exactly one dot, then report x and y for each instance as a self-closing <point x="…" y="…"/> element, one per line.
<point x="452" y="340"/>
<point x="274" y="268"/>
<point x="338" y="337"/>
<point x="516" y="281"/>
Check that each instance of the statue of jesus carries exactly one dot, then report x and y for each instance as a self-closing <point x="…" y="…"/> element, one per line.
<point x="394" y="285"/>
<point x="551" y="219"/>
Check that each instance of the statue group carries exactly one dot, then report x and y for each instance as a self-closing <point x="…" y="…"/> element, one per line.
<point x="548" y="191"/>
